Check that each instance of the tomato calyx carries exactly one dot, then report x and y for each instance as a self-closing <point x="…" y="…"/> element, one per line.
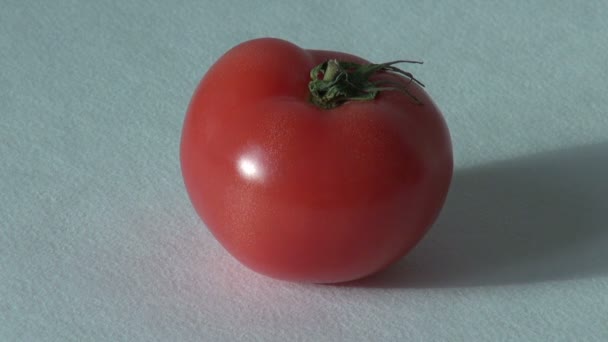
<point x="335" y="82"/>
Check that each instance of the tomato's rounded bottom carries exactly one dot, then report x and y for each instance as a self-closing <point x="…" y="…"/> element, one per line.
<point x="328" y="273"/>
<point x="336" y="281"/>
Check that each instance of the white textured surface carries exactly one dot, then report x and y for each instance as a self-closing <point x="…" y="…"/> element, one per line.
<point x="98" y="241"/>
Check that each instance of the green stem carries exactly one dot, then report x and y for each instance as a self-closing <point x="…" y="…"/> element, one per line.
<point x="332" y="70"/>
<point x="348" y="81"/>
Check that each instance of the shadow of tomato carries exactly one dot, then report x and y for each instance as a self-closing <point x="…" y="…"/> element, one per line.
<point x="533" y="219"/>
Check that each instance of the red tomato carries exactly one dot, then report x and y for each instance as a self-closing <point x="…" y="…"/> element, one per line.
<point x="303" y="193"/>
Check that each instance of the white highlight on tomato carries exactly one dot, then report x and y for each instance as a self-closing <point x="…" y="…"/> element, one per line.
<point x="248" y="168"/>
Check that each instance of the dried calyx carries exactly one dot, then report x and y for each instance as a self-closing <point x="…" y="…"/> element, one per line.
<point x="334" y="82"/>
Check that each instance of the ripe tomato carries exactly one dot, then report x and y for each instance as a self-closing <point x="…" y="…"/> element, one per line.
<point x="325" y="190"/>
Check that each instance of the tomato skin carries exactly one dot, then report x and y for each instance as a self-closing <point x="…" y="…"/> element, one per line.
<point x="301" y="193"/>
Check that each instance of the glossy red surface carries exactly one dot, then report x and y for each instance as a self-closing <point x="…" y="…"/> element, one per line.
<point x="305" y="194"/>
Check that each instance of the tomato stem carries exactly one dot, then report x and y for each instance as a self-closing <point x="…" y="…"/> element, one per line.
<point x="331" y="71"/>
<point x="334" y="82"/>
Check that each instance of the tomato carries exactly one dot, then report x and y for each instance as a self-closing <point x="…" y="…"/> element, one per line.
<point x="326" y="189"/>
